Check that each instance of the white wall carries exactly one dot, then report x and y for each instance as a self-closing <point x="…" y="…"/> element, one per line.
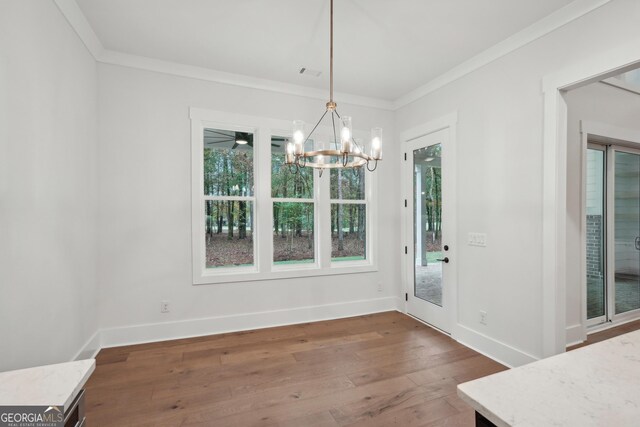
<point x="499" y="166"/>
<point x="48" y="182"/>
<point x="145" y="215"/>
<point x="600" y="103"/>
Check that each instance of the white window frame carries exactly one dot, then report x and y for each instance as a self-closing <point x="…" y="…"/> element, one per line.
<point x="368" y="182"/>
<point x="264" y="267"/>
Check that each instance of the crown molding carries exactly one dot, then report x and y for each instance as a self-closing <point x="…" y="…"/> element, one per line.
<point x="201" y="73"/>
<point x="74" y="15"/>
<point x="561" y="17"/>
<point x="78" y="21"/>
<point x="552" y="22"/>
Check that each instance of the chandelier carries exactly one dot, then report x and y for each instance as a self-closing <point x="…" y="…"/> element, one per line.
<point x="346" y="152"/>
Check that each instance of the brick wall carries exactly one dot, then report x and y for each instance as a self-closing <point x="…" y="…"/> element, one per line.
<point x="594" y="246"/>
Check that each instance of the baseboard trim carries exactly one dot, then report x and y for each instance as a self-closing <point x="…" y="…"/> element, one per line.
<point x="140" y="334"/>
<point x="90" y="349"/>
<point x="492" y="348"/>
<point x="576" y="334"/>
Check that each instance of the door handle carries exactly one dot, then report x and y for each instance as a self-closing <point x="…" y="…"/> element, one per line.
<point x="638" y="243"/>
<point x="445" y="260"/>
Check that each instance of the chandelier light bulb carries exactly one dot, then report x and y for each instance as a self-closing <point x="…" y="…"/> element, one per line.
<point x="289" y="154"/>
<point x="298" y="137"/>
<point x="346" y="134"/>
<point x="376" y="143"/>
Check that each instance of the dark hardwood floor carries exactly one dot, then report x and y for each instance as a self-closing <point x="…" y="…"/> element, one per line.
<point x="381" y="370"/>
<point x="608" y="333"/>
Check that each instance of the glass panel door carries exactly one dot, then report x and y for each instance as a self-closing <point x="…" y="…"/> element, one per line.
<point x="627" y="232"/>
<point x="429" y="179"/>
<point x="427" y="223"/>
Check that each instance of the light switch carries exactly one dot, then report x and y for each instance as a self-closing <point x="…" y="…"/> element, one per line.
<point x="477" y="239"/>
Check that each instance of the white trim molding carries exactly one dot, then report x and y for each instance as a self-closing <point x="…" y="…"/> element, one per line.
<point x="611" y="132"/>
<point x="557" y="19"/>
<point x="492" y="348"/>
<point x="617" y="60"/>
<point x="207" y="74"/>
<point x="576" y="334"/>
<point x="153" y="332"/>
<point x="78" y="22"/>
<point x="90" y="349"/>
<point x="539" y="29"/>
<point x="552" y="22"/>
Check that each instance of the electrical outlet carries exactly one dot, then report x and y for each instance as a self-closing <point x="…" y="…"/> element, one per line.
<point x="477" y="239"/>
<point x="164" y="307"/>
<point x="483" y="317"/>
<point x="379" y="286"/>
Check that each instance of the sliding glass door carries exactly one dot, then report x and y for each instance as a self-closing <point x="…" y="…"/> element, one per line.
<point x="612" y="234"/>
<point x="626" y="216"/>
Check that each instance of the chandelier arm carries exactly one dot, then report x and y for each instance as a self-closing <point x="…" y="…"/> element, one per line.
<point x="314" y="128"/>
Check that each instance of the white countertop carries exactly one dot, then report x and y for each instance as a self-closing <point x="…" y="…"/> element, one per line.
<point x="51" y="385"/>
<point x="597" y="385"/>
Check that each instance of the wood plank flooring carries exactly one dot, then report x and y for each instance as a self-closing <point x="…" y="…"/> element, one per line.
<point x="377" y="370"/>
<point x="608" y="333"/>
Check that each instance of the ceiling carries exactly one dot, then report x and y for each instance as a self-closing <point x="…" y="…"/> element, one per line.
<point x="383" y="48"/>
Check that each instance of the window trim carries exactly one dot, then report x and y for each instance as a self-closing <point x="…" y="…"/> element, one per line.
<point x="264" y="268"/>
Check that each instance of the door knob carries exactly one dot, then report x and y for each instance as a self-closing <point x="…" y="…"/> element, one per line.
<point x="445" y="260"/>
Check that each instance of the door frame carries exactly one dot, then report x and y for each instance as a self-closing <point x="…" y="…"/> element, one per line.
<point x="595" y="67"/>
<point x="448" y="121"/>
<point x="622" y="140"/>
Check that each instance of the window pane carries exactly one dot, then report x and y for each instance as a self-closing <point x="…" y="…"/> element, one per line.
<point x="347" y="184"/>
<point x="596" y="289"/>
<point x="348" y="232"/>
<point x="228" y="163"/>
<point x="627" y="232"/>
<point x="293" y="233"/>
<point x="229" y="233"/>
<point x="287" y="181"/>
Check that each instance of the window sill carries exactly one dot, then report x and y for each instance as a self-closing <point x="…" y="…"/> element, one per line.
<point x="280" y="272"/>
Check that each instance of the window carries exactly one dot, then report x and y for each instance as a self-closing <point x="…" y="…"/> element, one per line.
<point x="294" y="218"/>
<point x="228" y="194"/>
<point x="348" y="215"/>
<point x="255" y="218"/>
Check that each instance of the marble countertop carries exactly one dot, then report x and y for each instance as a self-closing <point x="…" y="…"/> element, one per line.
<point x="53" y="385"/>
<point x="597" y="385"/>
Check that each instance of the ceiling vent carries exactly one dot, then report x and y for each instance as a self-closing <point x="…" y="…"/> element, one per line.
<point x="310" y="72"/>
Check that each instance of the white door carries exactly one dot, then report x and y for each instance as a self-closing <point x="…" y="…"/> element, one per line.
<point x="429" y="228"/>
